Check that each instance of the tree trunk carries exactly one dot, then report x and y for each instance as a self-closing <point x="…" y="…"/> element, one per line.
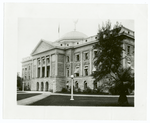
<point x="122" y="101"/>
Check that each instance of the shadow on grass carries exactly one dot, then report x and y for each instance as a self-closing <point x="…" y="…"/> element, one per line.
<point x="23" y="96"/>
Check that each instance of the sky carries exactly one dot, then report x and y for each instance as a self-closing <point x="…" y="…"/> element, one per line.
<point x="32" y="29"/>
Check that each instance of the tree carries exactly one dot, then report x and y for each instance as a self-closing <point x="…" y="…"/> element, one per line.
<point x="19" y="82"/>
<point x="124" y="80"/>
<point x="108" y="60"/>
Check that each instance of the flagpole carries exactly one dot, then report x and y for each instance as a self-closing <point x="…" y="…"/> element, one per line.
<point x="59" y="31"/>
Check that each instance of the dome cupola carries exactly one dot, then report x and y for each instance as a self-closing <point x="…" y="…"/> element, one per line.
<point x="74" y="35"/>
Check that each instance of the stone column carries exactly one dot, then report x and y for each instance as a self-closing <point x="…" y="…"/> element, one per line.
<point x="45" y="66"/>
<point x="50" y="65"/>
<point x="71" y="62"/>
<point x="81" y="73"/>
<point x="39" y="86"/>
<point x="56" y="64"/>
<point x="91" y="59"/>
<point x="43" y="86"/>
<point x="36" y="68"/>
<point x="64" y="64"/>
<point x="40" y="67"/>
<point x="32" y="67"/>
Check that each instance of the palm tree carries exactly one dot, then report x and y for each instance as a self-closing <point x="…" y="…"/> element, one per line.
<point x="124" y="79"/>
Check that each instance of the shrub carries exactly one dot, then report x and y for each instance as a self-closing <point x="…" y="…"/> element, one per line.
<point x="64" y="90"/>
<point x="87" y="90"/>
<point x="77" y="90"/>
<point x="113" y="91"/>
<point x="26" y="88"/>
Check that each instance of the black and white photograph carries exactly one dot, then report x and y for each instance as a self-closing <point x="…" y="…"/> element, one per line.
<point x="76" y="69"/>
<point x="77" y="58"/>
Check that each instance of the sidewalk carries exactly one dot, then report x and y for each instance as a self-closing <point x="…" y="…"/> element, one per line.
<point x="33" y="99"/>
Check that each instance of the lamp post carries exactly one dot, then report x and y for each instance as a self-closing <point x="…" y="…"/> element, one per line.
<point x="23" y="86"/>
<point x="72" y="88"/>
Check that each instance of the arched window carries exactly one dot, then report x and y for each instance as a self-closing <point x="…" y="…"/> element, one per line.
<point x="76" y="84"/>
<point x="46" y="86"/>
<point x="37" y="86"/>
<point x="67" y="85"/>
<point x="42" y="86"/>
<point x="95" y="85"/>
<point x="85" y="85"/>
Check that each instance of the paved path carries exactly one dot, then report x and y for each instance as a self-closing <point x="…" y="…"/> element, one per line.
<point x="33" y="99"/>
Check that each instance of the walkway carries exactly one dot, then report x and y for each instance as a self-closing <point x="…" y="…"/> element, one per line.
<point x="33" y="99"/>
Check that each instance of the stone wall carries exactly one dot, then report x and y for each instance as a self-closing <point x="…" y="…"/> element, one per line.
<point x="60" y="83"/>
<point x="53" y="69"/>
<point x="44" y="80"/>
<point x="60" y="65"/>
<point x="60" y="69"/>
<point x="81" y="81"/>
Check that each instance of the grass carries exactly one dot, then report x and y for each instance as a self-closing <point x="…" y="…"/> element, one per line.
<point x="23" y="96"/>
<point x="57" y="100"/>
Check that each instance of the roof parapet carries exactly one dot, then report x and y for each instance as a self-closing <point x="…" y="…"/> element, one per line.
<point x="26" y="59"/>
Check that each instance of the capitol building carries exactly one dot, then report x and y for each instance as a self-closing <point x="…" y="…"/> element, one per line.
<point x="51" y="64"/>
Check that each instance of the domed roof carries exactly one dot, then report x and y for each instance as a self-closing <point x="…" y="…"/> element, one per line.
<point x="74" y="35"/>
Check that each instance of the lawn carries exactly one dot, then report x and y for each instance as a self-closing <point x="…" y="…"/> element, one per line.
<point x="57" y="100"/>
<point x="23" y="96"/>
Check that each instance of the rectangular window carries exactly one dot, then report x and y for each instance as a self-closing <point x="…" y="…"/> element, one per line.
<point x="38" y="62"/>
<point x="38" y="72"/>
<point x="77" y="57"/>
<point x="86" y="56"/>
<point x="128" y="50"/>
<point x="43" y="61"/>
<point x="76" y="72"/>
<point x="86" y="71"/>
<point x="67" y="72"/>
<point x="43" y="71"/>
<point x="48" y="61"/>
<point x="67" y="58"/>
<point x="95" y="53"/>
<point x="48" y="71"/>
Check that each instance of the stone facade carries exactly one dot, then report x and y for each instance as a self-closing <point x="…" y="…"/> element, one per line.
<point x="51" y="64"/>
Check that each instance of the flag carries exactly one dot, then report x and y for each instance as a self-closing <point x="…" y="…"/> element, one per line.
<point x="58" y="28"/>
